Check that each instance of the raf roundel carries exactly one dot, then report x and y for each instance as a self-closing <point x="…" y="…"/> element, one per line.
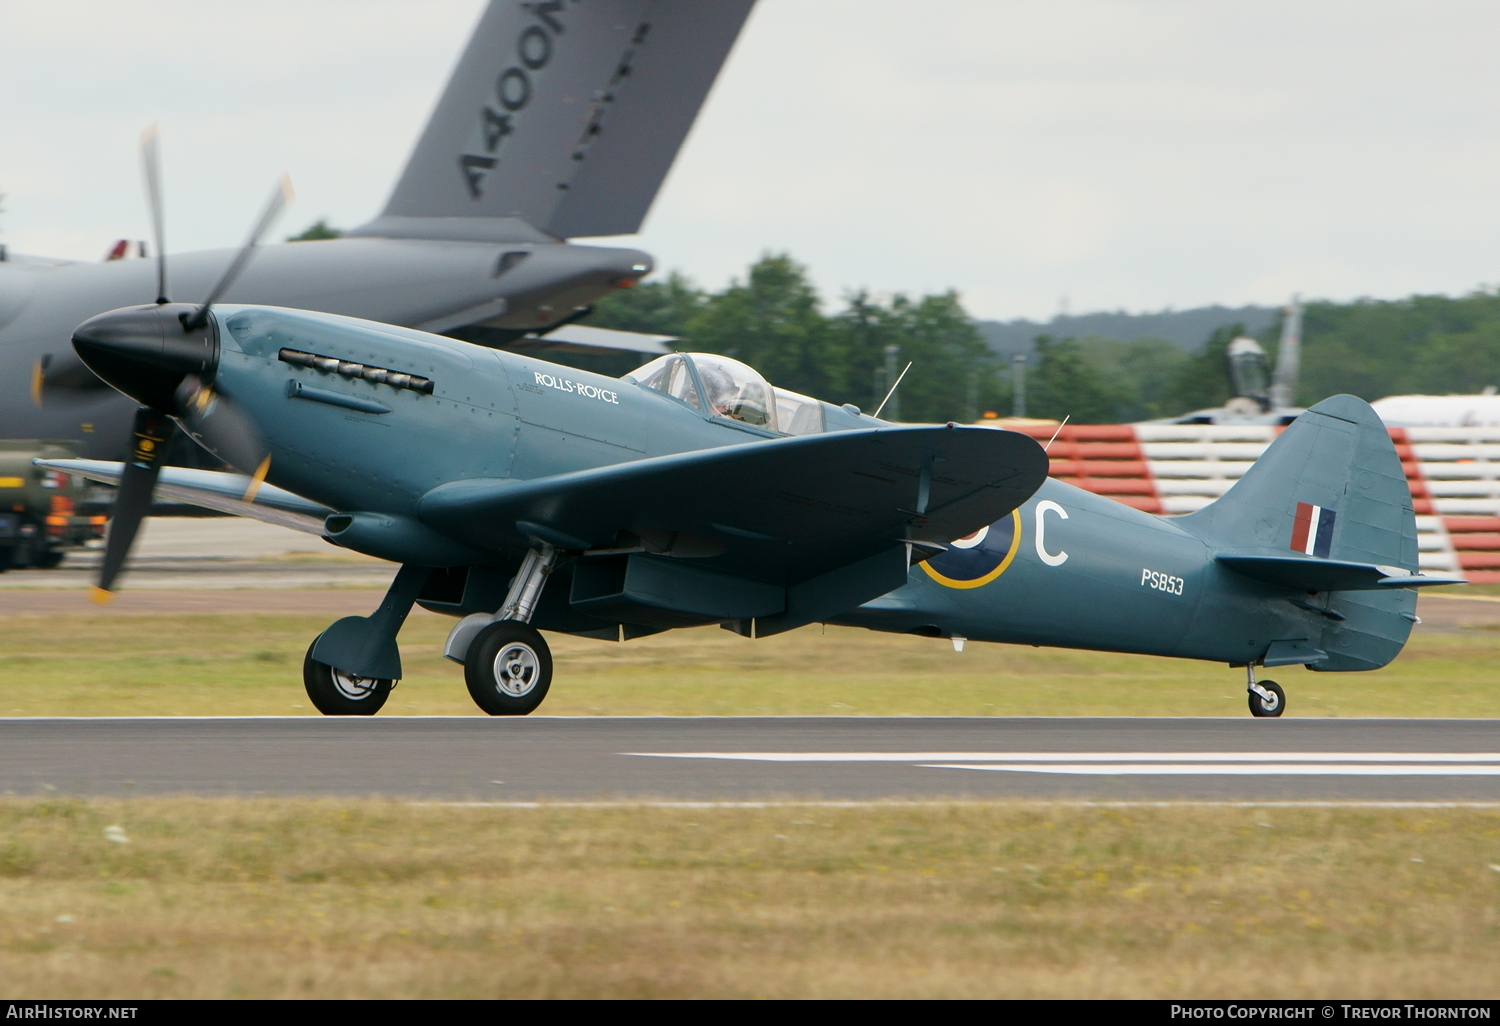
<point x="979" y="558"/>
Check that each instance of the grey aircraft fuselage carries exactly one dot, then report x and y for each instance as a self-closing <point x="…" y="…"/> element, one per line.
<point x="1067" y="568"/>
<point x="559" y="121"/>
<point x="435" y="284"/>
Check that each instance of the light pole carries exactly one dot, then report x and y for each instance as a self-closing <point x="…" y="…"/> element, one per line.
<point x="1018" y="396"/>
<point x="894" y="402"/>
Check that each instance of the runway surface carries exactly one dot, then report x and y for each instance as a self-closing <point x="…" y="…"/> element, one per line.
<point x="758" y="758"/>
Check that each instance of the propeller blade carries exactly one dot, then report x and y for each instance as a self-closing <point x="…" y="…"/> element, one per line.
<point x="39" y="379"/>
<point x="151" y="433"/>
<point x="151" y="161"/>
<point x="212" y="419"/>
<point x="63" y="378"/>
<point x="282" y="196"/>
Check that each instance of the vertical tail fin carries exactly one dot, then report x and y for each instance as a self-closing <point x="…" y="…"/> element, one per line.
<point x="568" y="115"/>
<point x="1332" y="482"/>
<point x="1330" y="492"/>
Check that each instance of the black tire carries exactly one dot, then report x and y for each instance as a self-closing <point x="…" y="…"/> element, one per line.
<point x="336" y="693"/>
<point x="508" y="668"/>
<point x="1260" y="707"/>
<point x="49" y="559"/>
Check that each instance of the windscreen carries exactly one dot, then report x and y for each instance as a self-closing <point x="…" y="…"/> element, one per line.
<point x="668" y="374"/>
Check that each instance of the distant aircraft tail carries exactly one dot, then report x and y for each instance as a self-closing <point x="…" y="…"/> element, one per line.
<point x="564" y="115"/>
<point x="1327" y="510"/>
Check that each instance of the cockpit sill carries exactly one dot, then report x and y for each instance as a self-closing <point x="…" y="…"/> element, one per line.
<point x="735" y="395"/>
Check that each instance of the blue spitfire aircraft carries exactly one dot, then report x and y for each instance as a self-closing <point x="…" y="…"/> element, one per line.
<point x="522" y="496"/>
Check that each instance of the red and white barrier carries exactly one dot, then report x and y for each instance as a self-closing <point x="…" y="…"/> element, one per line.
<point x="1454" y="474"/>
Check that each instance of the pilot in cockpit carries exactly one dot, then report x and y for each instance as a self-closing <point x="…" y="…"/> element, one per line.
<point x="734" y="391"/>
<point x="720" y="391"/>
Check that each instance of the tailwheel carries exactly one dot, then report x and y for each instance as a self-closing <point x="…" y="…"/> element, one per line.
<point x="508" y="668"/>
<point x="334" y="692"/>
<point x="1267" y="699"/>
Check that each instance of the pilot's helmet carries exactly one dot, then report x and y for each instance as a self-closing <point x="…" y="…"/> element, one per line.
<point x="719" y="387"/>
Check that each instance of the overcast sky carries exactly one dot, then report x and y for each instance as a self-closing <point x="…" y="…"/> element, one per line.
<point x="1134" y="154"/>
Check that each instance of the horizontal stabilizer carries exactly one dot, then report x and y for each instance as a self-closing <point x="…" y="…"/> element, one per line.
<point x="1308" y="574"/>
<point x="213" y="490"/>
<point x="781" y="510"/>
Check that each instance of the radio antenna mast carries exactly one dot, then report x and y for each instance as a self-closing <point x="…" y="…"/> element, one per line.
<point x="892" y="391"/>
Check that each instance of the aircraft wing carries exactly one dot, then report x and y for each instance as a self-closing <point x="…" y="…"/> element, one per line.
<point x="780" y="511"/>
<point x="213" y="490"/>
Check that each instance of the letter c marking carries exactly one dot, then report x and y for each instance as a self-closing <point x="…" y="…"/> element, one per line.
<point x="1042" y="509"/>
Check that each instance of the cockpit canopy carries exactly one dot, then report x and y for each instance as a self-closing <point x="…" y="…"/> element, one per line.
<point x="726" y="388"/>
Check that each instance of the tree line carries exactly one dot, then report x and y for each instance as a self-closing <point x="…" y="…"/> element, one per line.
<point x="1433" y="345"/>
<point x="774" y="320"/>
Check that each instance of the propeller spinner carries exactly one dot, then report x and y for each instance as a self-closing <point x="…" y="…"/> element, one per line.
<point x="164" y="356"/>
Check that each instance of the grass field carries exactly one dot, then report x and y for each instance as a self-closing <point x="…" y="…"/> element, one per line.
<point x="199" y="898"/>
<point x="83" y="664"/>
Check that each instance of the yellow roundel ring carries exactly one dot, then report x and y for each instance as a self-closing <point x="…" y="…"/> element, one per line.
<point x="979" y="582"/>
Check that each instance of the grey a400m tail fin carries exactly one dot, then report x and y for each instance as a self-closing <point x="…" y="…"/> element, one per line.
<point x="567" y="114"/>
<point x="1326" y="513"/>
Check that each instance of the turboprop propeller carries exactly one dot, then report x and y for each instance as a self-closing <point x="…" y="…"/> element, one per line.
<point x="164" y="356"/>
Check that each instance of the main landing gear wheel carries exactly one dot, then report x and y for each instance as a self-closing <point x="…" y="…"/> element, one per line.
<point x="336" y="693"/>
<point x="508" y="668"/>
<point x="1275" y="705"/>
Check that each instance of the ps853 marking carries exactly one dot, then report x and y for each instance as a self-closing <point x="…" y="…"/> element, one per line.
<point x="1161" y="582"/>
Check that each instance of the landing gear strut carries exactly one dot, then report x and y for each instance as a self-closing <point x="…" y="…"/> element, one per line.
<point x="1266" y="697"/>
<point x="507" y="664"/>
<point x="351" y="667"/>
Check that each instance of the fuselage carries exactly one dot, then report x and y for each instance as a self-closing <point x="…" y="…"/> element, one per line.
<point x="416" y="282"/>
<point x="1071" y="569"/>
<point x="1067" y="568"/>
<point x="490" y="413"/>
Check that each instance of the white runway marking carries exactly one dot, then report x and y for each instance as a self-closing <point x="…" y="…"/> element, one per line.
<point x="1262" y="769"/>
<point x="929" y="803"/>
<point x="1360" y="764"/>
<point x="1202" y="757"/>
